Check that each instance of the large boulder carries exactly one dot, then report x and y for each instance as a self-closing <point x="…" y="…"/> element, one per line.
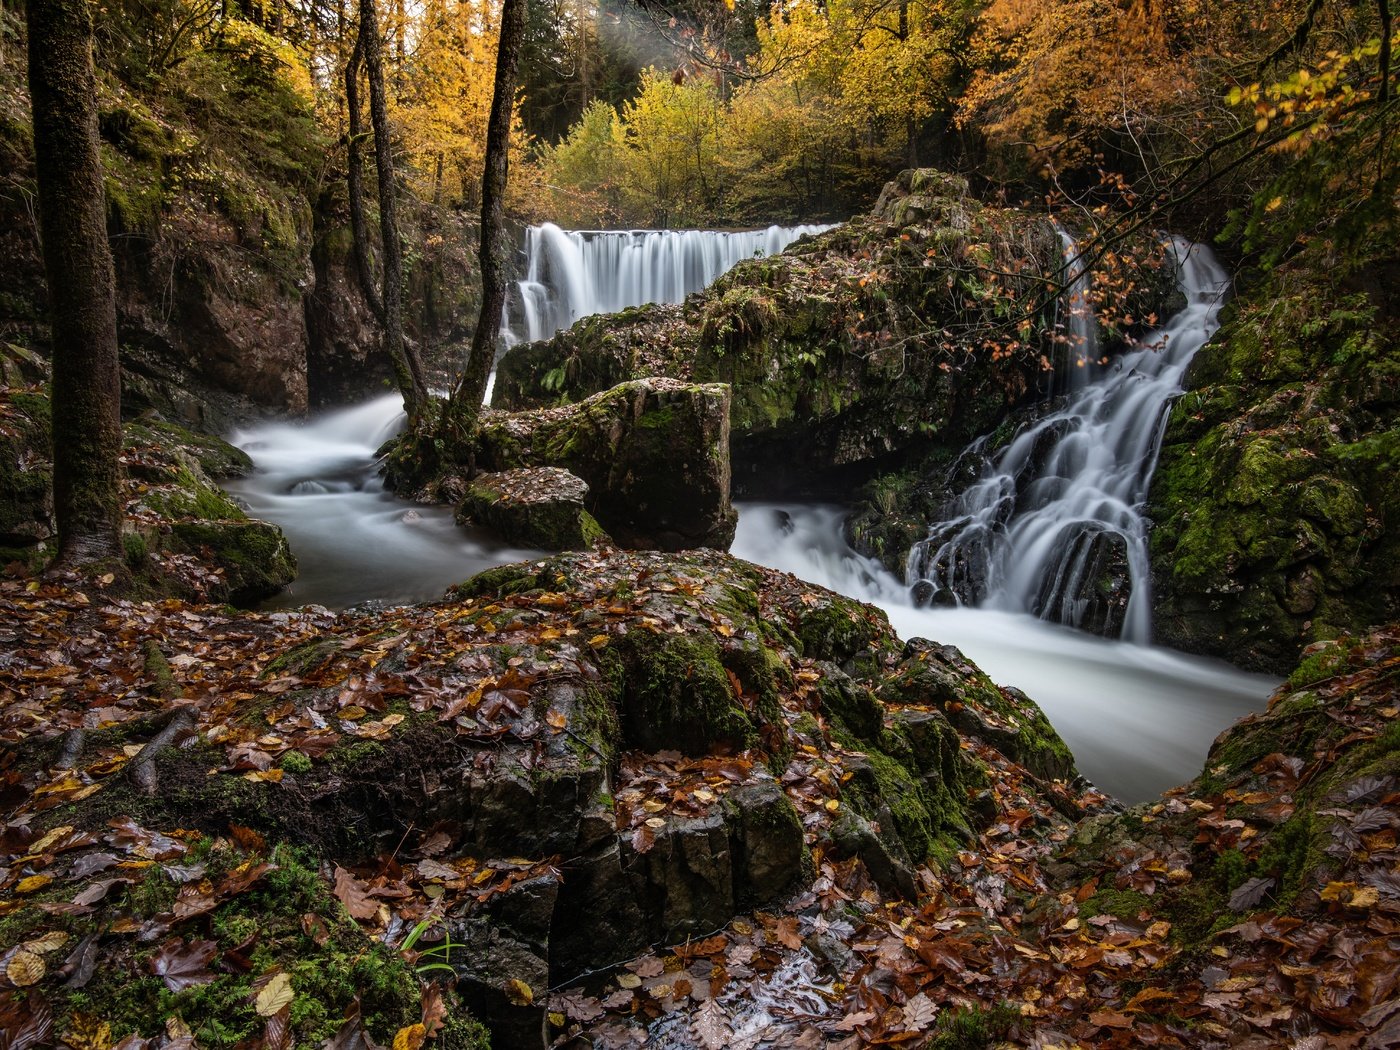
<point x="517" y="782"/>
<point x="654" y="453"/>
<point x="182" y="534"/>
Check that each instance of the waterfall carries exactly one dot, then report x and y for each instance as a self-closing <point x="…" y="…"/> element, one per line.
<point x="1052" y="524"/>
<point x="574" y="273"/>
<point x="1081" y="326"/>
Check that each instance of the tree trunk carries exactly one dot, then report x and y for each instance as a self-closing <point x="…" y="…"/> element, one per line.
<point x="86" y="430"/>
<point x="408" y="370"/>
<point x="468" y="396"/>
<point x="354" y="182"/>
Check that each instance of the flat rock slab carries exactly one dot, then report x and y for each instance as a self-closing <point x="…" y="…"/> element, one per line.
<point x="540" y="507"/>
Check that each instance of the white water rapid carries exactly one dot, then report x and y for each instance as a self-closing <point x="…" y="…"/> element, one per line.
<point x="1060" y="507"/>
<point x="570" y="274"/>
<point x="1138" y="719"/>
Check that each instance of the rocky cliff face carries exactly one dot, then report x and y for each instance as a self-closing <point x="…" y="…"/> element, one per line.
<point x="1276" y="498"/>
<point x="840" y="351"/>
<point x="236" y="292"/>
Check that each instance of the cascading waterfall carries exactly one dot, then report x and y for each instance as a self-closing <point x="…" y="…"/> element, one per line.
<point x="572" y="274"/>
<point x="1053" y="523"/>
<point x="1081" y="326"/>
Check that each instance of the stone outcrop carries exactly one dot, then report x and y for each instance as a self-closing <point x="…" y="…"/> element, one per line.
<point x="182" y="534"/>
<point x="654" y="454"/>
<point x="541" y="507"/>
<point x="593" y="754"/>
<point x="866" y="348"/>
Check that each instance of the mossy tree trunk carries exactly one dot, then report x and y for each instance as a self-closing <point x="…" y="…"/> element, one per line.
<point x="408" y="369"/>
<point x="470" y="391"/>
<point x="81" y="283"/>
<point x="354" y="180"/>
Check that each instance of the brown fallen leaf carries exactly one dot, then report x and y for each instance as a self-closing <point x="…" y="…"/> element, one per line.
<point x="183" y="965"/>
<point x="711" y="1025"/>
<point x="352" y="893"/>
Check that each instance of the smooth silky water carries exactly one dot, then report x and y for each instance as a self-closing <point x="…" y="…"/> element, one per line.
<point x="353" y="540"/>
<point x="1139" y="719"/>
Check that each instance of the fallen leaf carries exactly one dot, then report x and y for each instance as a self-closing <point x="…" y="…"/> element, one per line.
<point x="711" y="1025"/>
<point x="87" y="1032"/>
<point x="352" y="894"/>
<point x="1250" y="894"/>
<point x="518" y="993"/>
<point x="25" y="968"/>
<point x="183" y="965"/>
<point x="276" y="994"/>
<point x="49" y="942"/>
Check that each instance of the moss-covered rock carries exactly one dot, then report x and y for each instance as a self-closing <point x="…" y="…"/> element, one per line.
<point x="859" y="350"/>
<point x="182" y="533"/>
<point x="542" y="507"/>
<point x="26" y="476"/>
<point x="1274" y="835"/>
<point x="1276" y="495"/>
<point x="654" y="453"/>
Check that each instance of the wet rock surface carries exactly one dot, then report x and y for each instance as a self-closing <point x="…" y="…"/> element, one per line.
<point x="1275" y="500"/>
<point x="182" y="534"/>
<point x="593" y="755"/>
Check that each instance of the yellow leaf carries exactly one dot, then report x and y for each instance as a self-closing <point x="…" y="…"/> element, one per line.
<point x="411" y="1037"/>
<point x="392" y="720"/>
<point x="25" y="968"/>
<point x="1365" y="897"/>
<point x="517" y="991"/>
<point x="353" y="713"/>
<point x="832" y="805"/>
<point x="597" y="641"/>
<point x="87" y="1032"/>
<point x="1337" y="891"/>
<point x="33" y="884"/>
<point x="51" y="839"/>
<point x="49" y="942"/>
<point x="276" y="994"/>
<point x="259" y="776"/>
<point x="629" y="980"/>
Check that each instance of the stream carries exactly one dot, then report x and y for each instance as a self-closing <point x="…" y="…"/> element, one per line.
<point x="1138" y="718"/>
